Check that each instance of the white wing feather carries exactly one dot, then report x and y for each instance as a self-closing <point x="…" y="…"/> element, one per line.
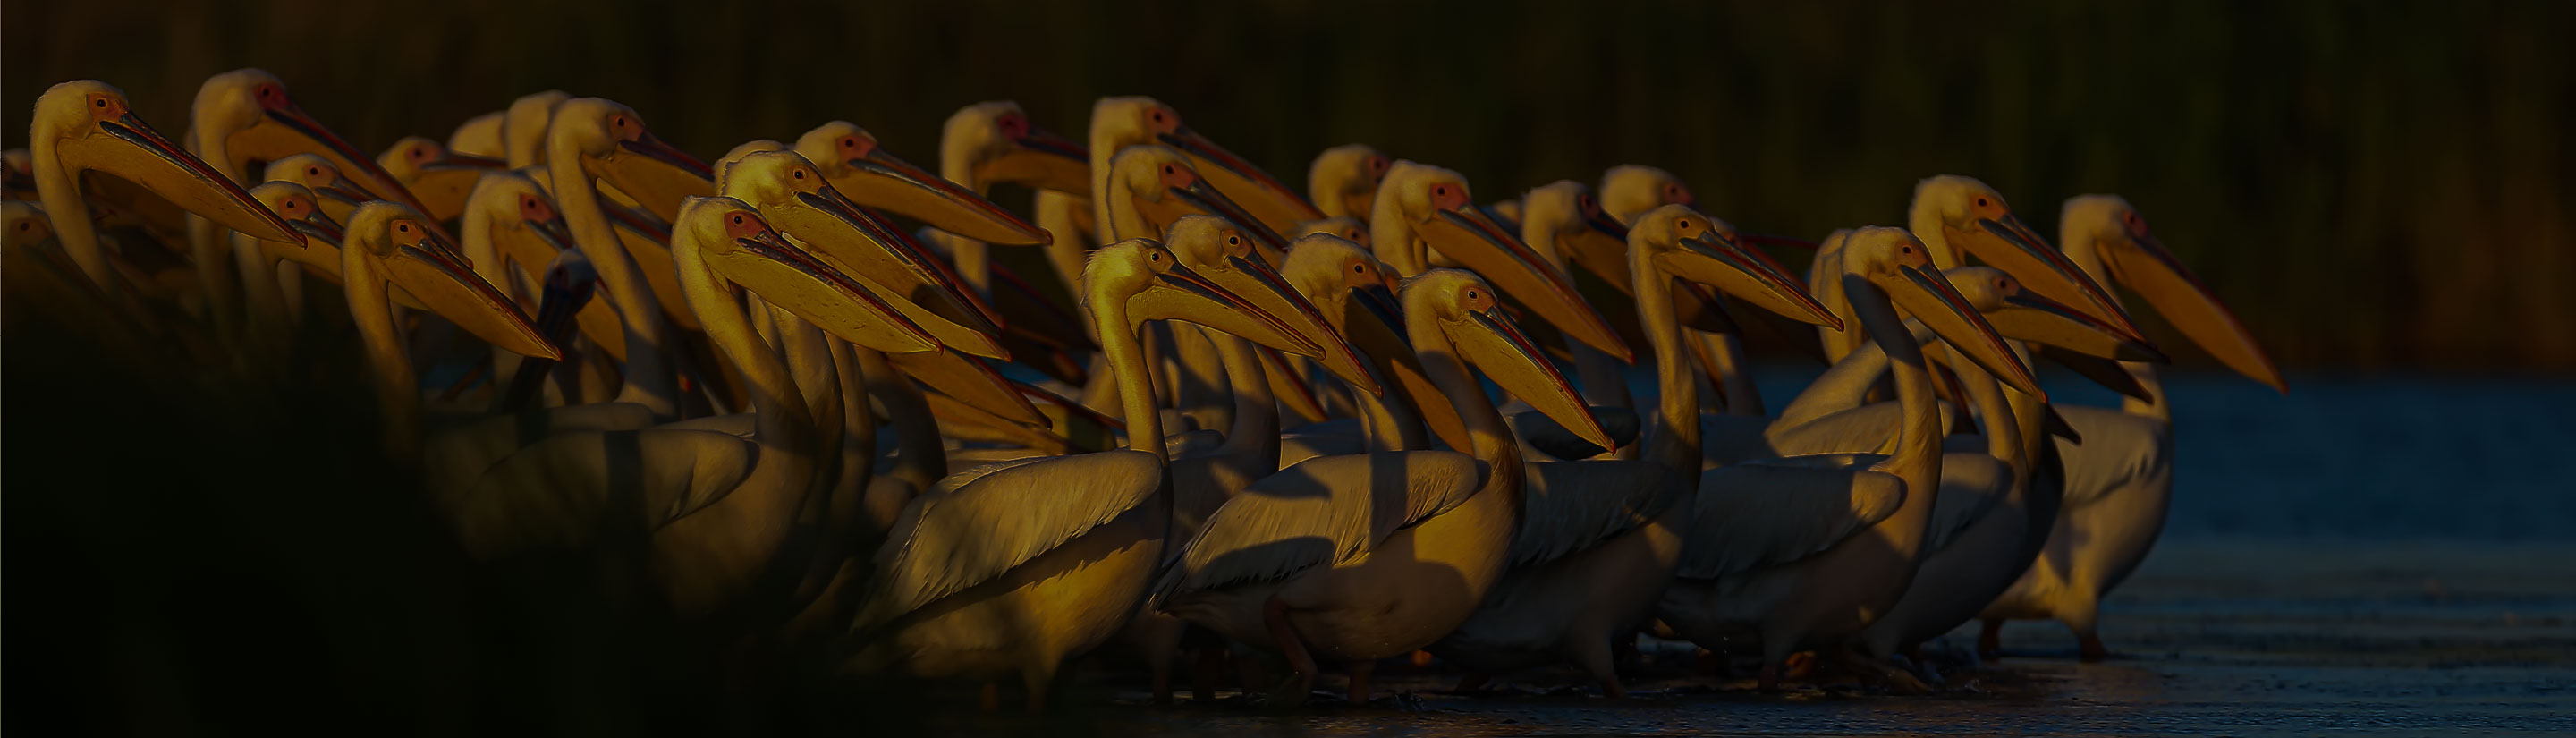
<point x="1773" y="512"/>
<point x="1568" y="506"/>
<point x="978" y="524"/>
<point x="1319" y="512"/>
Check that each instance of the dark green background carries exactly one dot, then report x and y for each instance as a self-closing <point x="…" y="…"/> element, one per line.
<point x="2367" y="183"/>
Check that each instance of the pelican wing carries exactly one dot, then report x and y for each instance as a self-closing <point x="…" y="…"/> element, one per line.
<point x="977" y="524"/>
<point x="1318" y="513"/>
<point x="1868" y="428"/>
<point x="563" y="491"/>
<point x="1781" y="510"/>
<point x="1568" y="506"/>
<point x="2120" y="451"/>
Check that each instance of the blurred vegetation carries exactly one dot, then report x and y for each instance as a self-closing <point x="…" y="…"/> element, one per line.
<point x="2368" y="184"/>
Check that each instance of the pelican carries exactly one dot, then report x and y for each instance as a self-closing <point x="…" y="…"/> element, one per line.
<point x="480" y="136"/>
<point x="1119" y="122"/>
<point x="1357" y="558"/>
<point x="711" y="511"/>
<point x="1344" y="179"/>
<point x="2120" y="481"/>
<point x="18" y="176"/>
<point x="439" y="176"/>
<point x="1807" y="550"/>
<point x="86" y="126"/>
<point x="1421" y="207"/>
<point x="1598" y="539"/>
<point x="524" y="125"/>
<point x="1350" y="287"/>
<point x="271" y="317"/>
<point x="591" y="139"/>
<point x="975" y="581"/>
<point x="339" y="196"/>
<point x="390" y="246"/>
<point x="982" y="145"/>
<point x="1955" y="214"/>
<point x="508" y="220"/>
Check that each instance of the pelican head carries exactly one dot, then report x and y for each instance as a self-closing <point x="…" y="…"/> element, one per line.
<point x="858" y="166"/>
<point x="395" y="243"/>
<point x="1421" y="205"/>
<point x="791" y="194"/>
<point x="23" y="224"/>
<point x="994" y="142"/>
<point x="728" y="239"/>
<point x="2022" y="315"/>
<point x="612" y="144"/>
<point x="1349" y="229"/>
<point x="339" y="195"/>
<point x="1461" y="319"/>
<point x="17" y="175"/>
<point x="1119" y="122"/>
<point x="439" y="176"/>
<point x="86" y="125"/>
<point x="1220" y="252"/>
<point x="1892" y="263"/>
<point x="1354" y="291"/>
<point x="1629" y="190"/>
<point x="251" y="114"/>
<point x="523" y="127"/>
<point x="520" y="219"/>
<point x="2104" y="234"/>
<point x="739" y="151"/>
<point x="1564" y="218"/>
<point x="1149" y="283"/>
<point x="1165" y="186"/>
<point x="302" y="211"/>
<point x="1684" y="242"/>
<point x="1961" y="213"/>
<point x="1343" y="181"/>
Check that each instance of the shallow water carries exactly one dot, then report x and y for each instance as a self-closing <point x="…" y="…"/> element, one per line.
<point x="2372" y="556"/>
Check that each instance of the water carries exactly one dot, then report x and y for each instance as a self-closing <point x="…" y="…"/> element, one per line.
<point x="2371" y="556"/>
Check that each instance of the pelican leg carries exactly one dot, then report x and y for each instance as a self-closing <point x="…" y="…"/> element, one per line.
<point x="1301" y="665"/>
<point x="2088" y="647"/>
<point x="1040" y="681"/>
<point x="1359" y="692"/>
<point x="1593" y="654"/>
<point x="1203" y="682"/>
<point x="1990" y="640"/>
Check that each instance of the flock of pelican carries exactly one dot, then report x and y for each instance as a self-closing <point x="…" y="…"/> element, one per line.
<point x="1235" y="423"/>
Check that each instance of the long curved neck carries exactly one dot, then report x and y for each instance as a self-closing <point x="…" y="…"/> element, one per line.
<point x="858" y="423"/>
<point x="1256" y="408"/>
<point x="972" y="257"/>
<point x="1394" y="240"/>
<point x="1206" y="390"/>
<point x="1490" y="439"/>
<point x="1105" y="144"/>
<point x="1120" y="216"/>
<point x="1997" y="416"/>
<point x="59" y="190"/>
<point x="2085" y="251"/>
<point x="1134" y="376"/>
<point x="371" y="307"/>
<point x="1917" y="459"/>
<point x="779" y="412"/>
<point x="1388" y="421"/>
<point x="1924" y="219"/>
<point x="920" y="458"/>
<point x="650" y="379"/>
<point x="1674" y="439"/>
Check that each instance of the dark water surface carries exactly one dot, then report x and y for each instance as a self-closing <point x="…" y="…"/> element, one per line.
<point x="2364" y="556"/>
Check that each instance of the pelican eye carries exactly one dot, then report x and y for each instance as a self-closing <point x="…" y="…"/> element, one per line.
<point x="799" y="173"/>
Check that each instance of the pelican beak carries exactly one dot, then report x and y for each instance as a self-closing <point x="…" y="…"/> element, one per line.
<point x="131" y="150"/>
<point x="349" y="195"/>
<point x="2110" y="374"/>
<point x="1279" y="208"/>
<point x="1747" y="274"/>
<point x="318" y="227"/>
<point x="2012" y="247"/>
<point x="1602" y="249"/>
<point x="863" y="245"/>
<point x="443" y="183"/>
<point x="1204" y="198"/>
<point x="441" y="281"/>
<point x="1181" y="294"/>
<point x="2030" y="317"/>
<point x="1045" y="161"/>
<point x="1928" y="297"/>
<point x="658" y="175"/>
<point x="1260" y="286"/>
<point x="1288" y="383"/>
<point x="1475" y="241"/>
<point x="972" y="382"/>
<point x="882" y="180"/>
<point x="1493" y="344"/>
<point x="297" y="133"/>
<point x="2142" y="263"/>
<point x="788" y="277"/>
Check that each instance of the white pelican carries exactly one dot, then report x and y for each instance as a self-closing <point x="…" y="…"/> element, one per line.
<point x="1120" y="122"/>
<point x="1343" y="181"/>
<point x="1356" y="558"/>
<point x="1598" y="539"/>
<point x="389" y="246"/>
<point x="480" y="136"/>
<point x="440" y="177"/>
<point x="2120" y="480"/>
<point x="86" y="125"/>
<point x="591" y="139"/>
<point x="524" y="124"/>
<point x="1955" y="214"/>
<point x="975" y="581"/>
<point x="710" y="511"/>
<point x="338" y="196"/>
<point x="1421" y="207"/>
<point x="1807" y="550"/>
